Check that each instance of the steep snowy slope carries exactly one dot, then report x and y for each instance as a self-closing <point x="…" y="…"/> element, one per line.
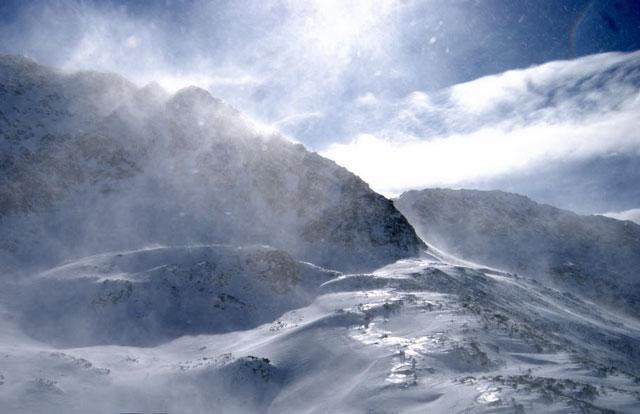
<point x="591" y="255"/>
<point x="90" y="163"/>
<point x="413" y="337"/>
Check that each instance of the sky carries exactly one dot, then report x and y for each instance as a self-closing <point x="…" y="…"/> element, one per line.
<point x="534" y="96"/>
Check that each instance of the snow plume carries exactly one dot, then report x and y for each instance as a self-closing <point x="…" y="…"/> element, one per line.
<point x="500" y="124"/>
<point x="107" y="38"/>
<point x="274" y="60"/>
<point x="170" y="170"/>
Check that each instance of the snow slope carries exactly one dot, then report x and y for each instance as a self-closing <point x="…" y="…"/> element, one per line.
<point x="419" y="335"/>
<point x="91" y="163"/>
<point x="149" y="296"/>
<point x="594" y="256"/>
<point x="135" y="276"/>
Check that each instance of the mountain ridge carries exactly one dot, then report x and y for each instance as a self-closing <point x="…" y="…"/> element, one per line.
<point x="89" y="158"/>
<point x="588" y="254"/>
<point x="174" y="259"/>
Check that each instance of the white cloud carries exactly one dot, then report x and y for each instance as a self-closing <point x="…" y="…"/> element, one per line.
<point x="631" y="215"/>
<point x="367" y="100"/>
<point x="524" y="86"/>
<point x="480" y="138"/>
<point x="283" y="55"/>
<point x="485" y="93"/>
<point x="327" y="69"/>
<point x="393" y="166"/>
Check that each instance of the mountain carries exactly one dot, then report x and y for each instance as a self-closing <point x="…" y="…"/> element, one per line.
<point x="91" y="163"/>
<point x="158" y="253"/>
<point x="595" y="256"/>
<point x="250" y="330"/>
<point x="150" y="296"/>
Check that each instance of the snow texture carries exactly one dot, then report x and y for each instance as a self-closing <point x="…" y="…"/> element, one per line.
<point x="159" y="254"/>
<point x="91" y="163"/>
<point x="415" y="336"/>
<point x="593" y="256"/>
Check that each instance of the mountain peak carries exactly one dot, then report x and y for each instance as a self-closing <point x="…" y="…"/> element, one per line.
<point x="194" y="95"/>
<point x="510" y="231"/>
<point x="187" y="170"/>
<point x="16" y="59"/>
<point x="18" y="66"/>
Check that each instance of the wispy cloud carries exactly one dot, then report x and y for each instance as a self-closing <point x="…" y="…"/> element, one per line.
<point x="273" y="59"/>
<point x="631" y="215"/>
<point x="365" y="83"/>
<point x="500" y="124"/>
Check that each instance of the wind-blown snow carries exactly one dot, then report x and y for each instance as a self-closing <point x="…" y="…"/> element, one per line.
<point x="136" y="275"/>
<point x="419" y="335"/>
<point x="594" y="256"/>
<point x="90" y="163"/>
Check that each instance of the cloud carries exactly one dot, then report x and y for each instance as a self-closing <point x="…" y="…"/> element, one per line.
<point x="631" y="215"/>
<point x="391" y="167"/>
<point x="367" y="100"/>
<point x="592" y="83"/>
<point x="496" y="125"/>
<point x="297" y="118"/>
<point x="273" y="59"/>
<point x="360" y="81"/>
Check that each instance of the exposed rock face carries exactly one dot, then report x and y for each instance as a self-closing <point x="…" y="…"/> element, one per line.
<point x="91" y="163"/>
<point x="592" y="255"/>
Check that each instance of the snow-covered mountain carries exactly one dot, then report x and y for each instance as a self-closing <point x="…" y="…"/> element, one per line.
<point x="135" y="275"/>
<point x="243" y="330"/>
<point x="91" y="163"/>
<point x="149" y="296"/>
<point x="591" y="255"/>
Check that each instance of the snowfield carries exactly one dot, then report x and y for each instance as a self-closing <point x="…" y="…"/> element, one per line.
<point x="273" y="334"/>
<point x="588" y="255"/>
<point x="160" y="254"/>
